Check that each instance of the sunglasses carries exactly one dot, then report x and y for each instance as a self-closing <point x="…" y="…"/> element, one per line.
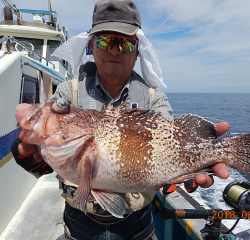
<point x="107" y="41"/>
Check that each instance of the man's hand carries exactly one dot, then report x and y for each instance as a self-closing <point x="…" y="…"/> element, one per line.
<point x="219" y="169"/>
<point x="26" y="149"/>
<point x="28" y="157"/>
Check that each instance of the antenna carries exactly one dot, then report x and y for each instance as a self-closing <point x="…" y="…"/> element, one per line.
<point x="67" y="34"/>
<point x="49" y="8"/>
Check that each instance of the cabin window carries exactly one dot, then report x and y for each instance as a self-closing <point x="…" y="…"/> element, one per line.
<point x="52" y="45"/>
<point x="29" y="93"/>
<point x="54" y="87"/>
<point x="1" y="43"/>
<point x="37" y="43"/>
<point x="65" y="63"/>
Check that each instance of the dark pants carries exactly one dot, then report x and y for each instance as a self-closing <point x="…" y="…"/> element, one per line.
<point x="82" y="227"/>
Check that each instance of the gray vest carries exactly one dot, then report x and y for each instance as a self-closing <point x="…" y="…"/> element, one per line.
<point x="91" y="98"/>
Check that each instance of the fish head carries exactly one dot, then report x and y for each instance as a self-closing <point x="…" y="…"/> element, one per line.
<point x="53" y="123"/>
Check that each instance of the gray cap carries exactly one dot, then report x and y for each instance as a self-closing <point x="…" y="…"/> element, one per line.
<point x="116" y="15"/>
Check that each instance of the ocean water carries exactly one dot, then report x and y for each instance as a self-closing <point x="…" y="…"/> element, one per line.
<point x="233" y="108"/>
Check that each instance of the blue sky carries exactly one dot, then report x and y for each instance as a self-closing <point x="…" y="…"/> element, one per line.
<point x="202" y="46"/>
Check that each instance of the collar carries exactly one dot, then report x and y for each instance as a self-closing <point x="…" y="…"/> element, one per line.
<point x="102" y="91"/>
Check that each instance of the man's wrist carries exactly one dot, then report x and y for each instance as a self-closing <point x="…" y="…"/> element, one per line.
<point x="22" y="159"/>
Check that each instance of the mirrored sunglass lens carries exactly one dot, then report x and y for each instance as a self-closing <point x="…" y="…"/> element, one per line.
<point x="125" y="45"/>
<point x="128" y="46"/>
<point x="103" y="42"/>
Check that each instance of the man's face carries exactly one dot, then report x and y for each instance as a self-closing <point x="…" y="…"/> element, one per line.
<point x="113" y="63"/>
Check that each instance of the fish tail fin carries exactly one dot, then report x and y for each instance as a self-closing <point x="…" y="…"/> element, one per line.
<point x="240" y="148"/>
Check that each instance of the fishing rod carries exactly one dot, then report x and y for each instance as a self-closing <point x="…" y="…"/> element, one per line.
<point x="236" y="195"/>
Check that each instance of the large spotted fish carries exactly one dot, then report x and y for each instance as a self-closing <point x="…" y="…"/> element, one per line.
<point x="116" y="151"/>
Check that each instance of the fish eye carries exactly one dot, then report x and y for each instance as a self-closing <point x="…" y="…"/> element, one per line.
<point x="61" y="105"/>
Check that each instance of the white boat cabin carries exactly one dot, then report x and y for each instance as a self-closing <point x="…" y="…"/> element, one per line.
<point x="28" y="73"/>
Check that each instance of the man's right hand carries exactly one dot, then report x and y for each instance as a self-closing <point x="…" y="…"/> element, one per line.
<point x="27" y="149"/>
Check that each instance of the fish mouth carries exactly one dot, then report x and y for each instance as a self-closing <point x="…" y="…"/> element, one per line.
<point x="27" y="115"/>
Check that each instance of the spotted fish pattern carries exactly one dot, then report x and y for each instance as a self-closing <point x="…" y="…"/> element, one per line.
<point x="117" y="151"/>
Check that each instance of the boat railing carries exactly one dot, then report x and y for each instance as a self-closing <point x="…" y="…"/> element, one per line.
<point x="9" y="45"/>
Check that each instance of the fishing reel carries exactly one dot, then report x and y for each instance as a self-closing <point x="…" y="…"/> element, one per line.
<point x="237" y="195"/>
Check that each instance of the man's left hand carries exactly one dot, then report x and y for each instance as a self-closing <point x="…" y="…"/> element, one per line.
<point x="219" y="169"/>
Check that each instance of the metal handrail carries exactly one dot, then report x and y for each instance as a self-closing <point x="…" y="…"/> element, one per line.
<point x="30" y="51"/>
<point x="3" y="39"/>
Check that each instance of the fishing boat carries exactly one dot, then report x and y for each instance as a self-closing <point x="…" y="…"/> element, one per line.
<point x="28" y="74"/>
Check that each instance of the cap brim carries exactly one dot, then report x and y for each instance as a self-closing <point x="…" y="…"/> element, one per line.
<point x="123" y="28"/>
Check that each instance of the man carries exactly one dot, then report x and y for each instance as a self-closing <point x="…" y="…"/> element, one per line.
<point x="115" y="49"/>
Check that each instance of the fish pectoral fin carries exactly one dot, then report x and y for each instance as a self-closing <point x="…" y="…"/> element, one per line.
<point x="82" y="192"/>
<point x="111" y="202"/>
<point x="184" y="178"/>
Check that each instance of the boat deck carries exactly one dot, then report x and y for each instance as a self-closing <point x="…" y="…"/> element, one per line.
<point x="39" y="217"/>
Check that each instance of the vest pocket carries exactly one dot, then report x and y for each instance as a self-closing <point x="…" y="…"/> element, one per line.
<point x="140" y="214"/>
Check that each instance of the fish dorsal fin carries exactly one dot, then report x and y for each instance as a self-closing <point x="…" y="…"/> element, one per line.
<point x="198" y="126"/>
<point x="110" y="107"/>
<point x="144" y="113"/>
<point x="113" y="112"/>
<point x="137" y="112"/>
